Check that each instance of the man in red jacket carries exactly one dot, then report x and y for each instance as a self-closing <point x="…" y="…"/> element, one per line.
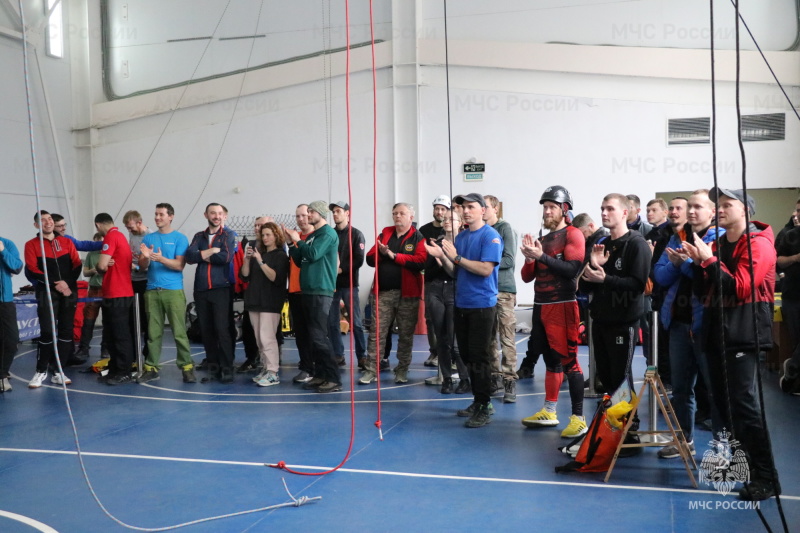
<point x="399" y="255"/>
<point x="732" y="343"/>
<point x="63" y="266"/>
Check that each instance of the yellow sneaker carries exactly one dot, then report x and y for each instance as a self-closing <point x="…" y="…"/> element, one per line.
<point x="541" y="419"/>
<point x="575" y="428"/>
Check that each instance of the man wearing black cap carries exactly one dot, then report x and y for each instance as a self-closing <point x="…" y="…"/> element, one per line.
<point x="475" y="259"/>
<point x="732" y="344"/>
<point x="351" y="257"/>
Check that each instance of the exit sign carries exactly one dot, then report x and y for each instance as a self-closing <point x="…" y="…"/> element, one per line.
<point x="474" y="167"/>
<point x="477" y="176"/>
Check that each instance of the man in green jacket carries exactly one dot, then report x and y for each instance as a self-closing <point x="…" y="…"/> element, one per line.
<point x="506" y="322"/>
<point x="318" y="256"/>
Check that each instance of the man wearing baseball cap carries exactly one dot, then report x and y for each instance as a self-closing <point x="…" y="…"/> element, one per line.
<point x="351" y="258"/>
<point x="318" y="256"/>
<point x="732" y="345"/>
<point x="475" y="259"/>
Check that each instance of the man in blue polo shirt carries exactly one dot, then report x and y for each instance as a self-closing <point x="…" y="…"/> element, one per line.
<point x="163" y="256"/>
<point x="475" y="260"/>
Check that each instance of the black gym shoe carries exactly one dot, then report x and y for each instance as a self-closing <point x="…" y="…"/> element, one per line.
<point x="247" y="367"/>
<point x="510" y="394"/>
<point x="469" y="411"/>
<point x="119" y="379"/>
<point x="496" y="384"/>
<point x="447" y="385"/>
<point x="314" y="384"/>
<point x="525" y="372"/>
<point x="329" y="386"/>
<point x="226" y="375"/>
<point x="464" y="386"/>
<point x="340" y="360"/>
<point x="203" y="365"/>
<point x="385" y="366"/>
<point x="758" y="490"/>
<point x="148" y="375"/>
<point x="188" y="376"/>
<point x="480" y="417"/>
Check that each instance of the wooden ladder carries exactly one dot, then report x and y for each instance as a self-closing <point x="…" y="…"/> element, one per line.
<point x="653" y="380"/>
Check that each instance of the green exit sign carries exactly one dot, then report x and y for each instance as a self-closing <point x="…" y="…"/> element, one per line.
<point x="474" y="167"/>
<point x="473" y="176"/>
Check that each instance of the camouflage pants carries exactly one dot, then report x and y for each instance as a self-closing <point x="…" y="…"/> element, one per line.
<point x="392" y="307"/>
<point x="505" y="325"/>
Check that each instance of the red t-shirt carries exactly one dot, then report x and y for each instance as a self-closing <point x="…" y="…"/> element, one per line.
<point x="117" y="280"/>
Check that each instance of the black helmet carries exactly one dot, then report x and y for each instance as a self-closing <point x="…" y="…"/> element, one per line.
<point x="556" y="194"/>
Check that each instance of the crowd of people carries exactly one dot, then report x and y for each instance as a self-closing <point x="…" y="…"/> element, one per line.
<point x="690" y="260"/>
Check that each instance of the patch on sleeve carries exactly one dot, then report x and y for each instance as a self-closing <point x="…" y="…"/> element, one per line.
<point x="105" y="247"/>
<point x="496" y="241"/>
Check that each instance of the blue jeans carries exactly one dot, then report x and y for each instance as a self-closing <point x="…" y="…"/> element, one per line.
<point x="334" y="333"/>
<point x="686" y="359"/>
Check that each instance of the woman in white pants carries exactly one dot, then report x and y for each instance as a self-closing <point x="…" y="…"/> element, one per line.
<point x="265" y="269"/>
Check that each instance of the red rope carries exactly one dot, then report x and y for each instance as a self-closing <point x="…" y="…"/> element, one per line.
<point x="281" y="465"/>
<point x="375" y="214"/>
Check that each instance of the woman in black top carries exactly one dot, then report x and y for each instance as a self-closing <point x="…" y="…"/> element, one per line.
<point x="266" y="268"/>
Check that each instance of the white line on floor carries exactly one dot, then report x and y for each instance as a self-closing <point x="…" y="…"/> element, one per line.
<point x="380" y="472"/>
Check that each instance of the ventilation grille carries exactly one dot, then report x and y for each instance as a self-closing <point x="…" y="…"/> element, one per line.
<point x="689" y="131"/>
<point x="770" y="127"/>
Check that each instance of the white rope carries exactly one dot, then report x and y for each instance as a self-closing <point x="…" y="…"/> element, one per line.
<point x="296" y="502"/>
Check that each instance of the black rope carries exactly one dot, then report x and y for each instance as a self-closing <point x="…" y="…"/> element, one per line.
<point x="751" y="272"/>
<point x="775" y="77"/>
<point x="447" y="88"/>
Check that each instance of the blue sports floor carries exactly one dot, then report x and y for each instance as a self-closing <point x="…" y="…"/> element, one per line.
<point x="166" y="453"/>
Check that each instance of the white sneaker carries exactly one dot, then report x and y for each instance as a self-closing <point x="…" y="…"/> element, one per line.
<point x="60" y="379"/>
<point x="38" y="379"/>
<point x="5" y="386"/>
<point x="269" y="379"/>
<point x="260" y="375"/>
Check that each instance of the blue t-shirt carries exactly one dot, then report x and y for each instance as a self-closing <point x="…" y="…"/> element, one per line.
<point x="171" y="245"/>
<point x="474" y="291"/>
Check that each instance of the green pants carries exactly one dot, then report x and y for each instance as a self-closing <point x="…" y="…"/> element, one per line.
<point x="170" y="305"/>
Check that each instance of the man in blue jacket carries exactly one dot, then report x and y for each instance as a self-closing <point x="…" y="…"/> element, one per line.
<point x="10" y="264"/>
<point x="682" y="314"/>
<point x="212" y="251"/>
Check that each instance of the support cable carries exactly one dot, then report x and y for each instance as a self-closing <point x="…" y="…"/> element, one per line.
<point x="295" y="502"/>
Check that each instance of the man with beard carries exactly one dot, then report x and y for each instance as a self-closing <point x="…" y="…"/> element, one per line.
<point x="351" y="258"/>
<point x="318" y="256"/>
<point x="434" y="230"/>
<point x="554" y="261"/>
<point x="212" y="251"/>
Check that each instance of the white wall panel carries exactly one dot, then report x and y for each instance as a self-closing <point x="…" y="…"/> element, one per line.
<point x="647" y="23"/>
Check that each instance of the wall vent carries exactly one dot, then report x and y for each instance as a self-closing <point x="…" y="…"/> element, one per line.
<point x="768" y="127"/>
<point x="689" y="131"/>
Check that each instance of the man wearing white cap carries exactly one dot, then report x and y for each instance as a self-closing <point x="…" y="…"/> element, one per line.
<point x="434" y="230"/>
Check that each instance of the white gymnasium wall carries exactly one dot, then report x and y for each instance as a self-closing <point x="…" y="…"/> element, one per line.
<point x="651" y="24"/>
<point x="592" y="146"/>
<point x="52" y="128"/>
<point x="275" y="153"/>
